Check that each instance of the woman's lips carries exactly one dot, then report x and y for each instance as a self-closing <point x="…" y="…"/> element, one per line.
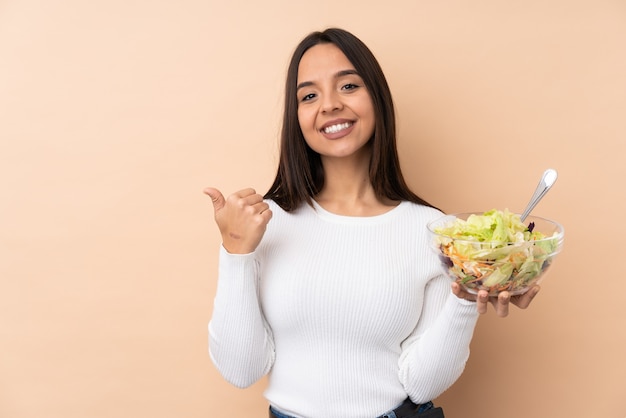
<point x="337" y="129"/>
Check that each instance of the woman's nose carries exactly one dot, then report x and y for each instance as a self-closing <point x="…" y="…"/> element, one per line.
<point x="331" y="102"/>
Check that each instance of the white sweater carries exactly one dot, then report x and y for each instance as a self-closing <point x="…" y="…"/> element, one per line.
<point x="348" y="315"/>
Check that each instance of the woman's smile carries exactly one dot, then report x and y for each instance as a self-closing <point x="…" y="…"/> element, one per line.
<point x="334" y="130"/>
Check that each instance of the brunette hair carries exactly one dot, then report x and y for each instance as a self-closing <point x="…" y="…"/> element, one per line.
<point x="300" y="173"/>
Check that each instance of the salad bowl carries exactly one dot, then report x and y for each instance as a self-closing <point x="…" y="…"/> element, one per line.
<point x="495" y="251"/>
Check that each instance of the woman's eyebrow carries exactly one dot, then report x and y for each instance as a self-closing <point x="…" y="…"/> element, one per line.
<point x="339" y="74"/>
<point x="304" y="84"/>
<point x="346" y="72"/>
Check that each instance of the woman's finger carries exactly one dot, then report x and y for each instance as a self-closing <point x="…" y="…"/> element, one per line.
<point x="482" y="301"/>
<point x="523" y="301"/>
<point x="501" y="303"/>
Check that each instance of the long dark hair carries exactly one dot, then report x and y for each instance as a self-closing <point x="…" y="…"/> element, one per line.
<point x="300" y="173"/>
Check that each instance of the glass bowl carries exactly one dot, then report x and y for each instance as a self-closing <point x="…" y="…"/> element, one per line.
<point x="496" y="266"/>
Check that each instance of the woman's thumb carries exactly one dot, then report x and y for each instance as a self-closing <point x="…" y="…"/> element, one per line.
<point x="216" y="196"/>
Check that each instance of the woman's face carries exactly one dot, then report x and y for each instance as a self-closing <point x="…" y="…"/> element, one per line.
<point x="335" y="109"/>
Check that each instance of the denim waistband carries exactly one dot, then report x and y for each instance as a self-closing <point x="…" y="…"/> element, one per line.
<point x="407" y="409"/>
<point x="275" y="413"/>
<point x="402" y="411"/>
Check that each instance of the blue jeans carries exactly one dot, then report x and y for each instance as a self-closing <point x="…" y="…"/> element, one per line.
<point x="275" y="413"/>
<point x="423" y="407"/>
<point x="391" y="414"/>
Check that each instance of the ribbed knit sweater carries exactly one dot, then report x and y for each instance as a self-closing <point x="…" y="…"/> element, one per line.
<point x="348" y="315"/>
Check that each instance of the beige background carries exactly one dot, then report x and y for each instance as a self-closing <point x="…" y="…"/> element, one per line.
<point x="115" y="114"/>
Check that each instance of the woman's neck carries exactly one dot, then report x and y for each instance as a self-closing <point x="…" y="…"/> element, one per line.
<point x="348" y="191"/>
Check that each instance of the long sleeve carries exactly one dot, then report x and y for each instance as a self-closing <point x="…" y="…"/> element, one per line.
<point x="435" y="354"/>
<point x="240" y="342"/>
<point x="347" y="315"/>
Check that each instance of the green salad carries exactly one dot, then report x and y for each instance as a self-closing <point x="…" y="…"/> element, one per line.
<point x="495" y="251"/>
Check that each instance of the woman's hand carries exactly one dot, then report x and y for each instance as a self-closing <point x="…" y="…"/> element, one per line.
<point x="242" y="219"/>
<point x="500" y="302"/>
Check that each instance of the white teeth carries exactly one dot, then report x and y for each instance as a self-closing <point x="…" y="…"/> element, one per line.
<point x="336" y="128"/>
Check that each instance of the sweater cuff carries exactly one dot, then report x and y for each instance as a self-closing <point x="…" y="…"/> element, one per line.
<point x="463" y="307"/>
<point x="224" y="251"/>
<point x="236" y="268"/>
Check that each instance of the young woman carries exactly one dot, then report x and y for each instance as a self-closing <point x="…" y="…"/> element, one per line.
<point x="326" y="282"/>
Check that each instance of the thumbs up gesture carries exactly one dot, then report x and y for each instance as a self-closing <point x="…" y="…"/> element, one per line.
<point x="241" y="219"/>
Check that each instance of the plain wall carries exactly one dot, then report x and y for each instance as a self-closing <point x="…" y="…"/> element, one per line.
<point x="114" y="115"/>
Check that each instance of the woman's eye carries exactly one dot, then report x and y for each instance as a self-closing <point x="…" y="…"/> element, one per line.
<point x="349" y="86"/>
<point x="307" y="97"/>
